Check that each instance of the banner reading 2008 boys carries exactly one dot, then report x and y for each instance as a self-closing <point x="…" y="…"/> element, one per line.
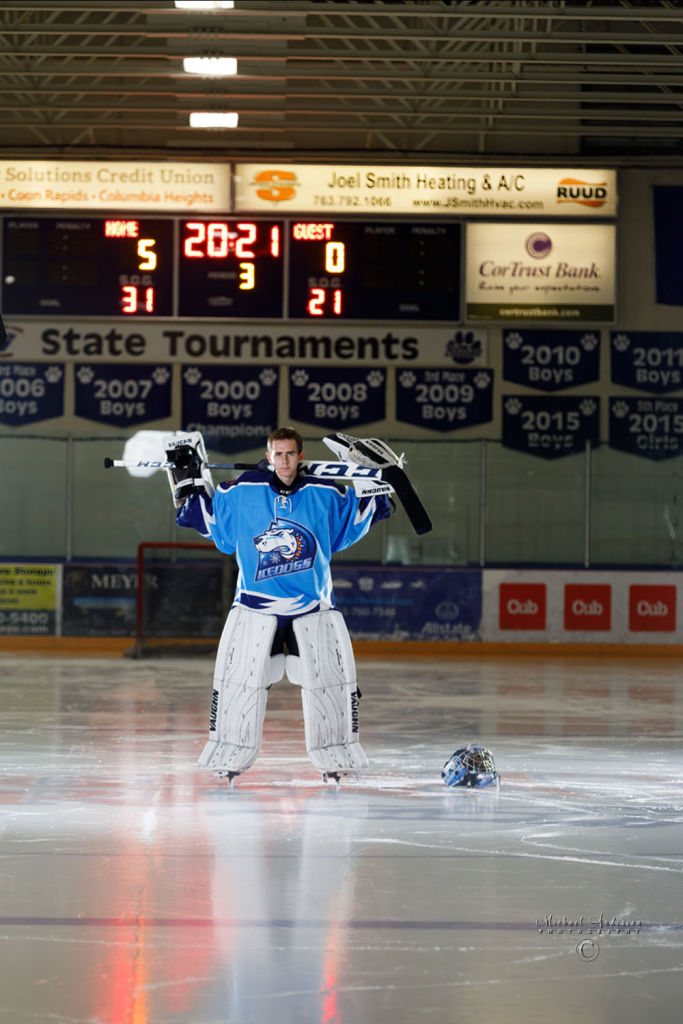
<point x="444" y="399"/>
<point x="233" y="407"/>
<point x="548" y="426"/>
<point x="338" y="399"/>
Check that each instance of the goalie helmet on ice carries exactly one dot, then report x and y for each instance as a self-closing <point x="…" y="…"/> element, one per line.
<point x="470" y="766"/>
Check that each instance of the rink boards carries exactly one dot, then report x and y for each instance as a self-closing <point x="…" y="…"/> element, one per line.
<point x="442" y="606"/>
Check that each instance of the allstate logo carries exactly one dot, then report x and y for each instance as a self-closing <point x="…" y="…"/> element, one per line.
<point x="463" y="347"/>
<point x="283" y="548"/>
<point x="539" y="245"/>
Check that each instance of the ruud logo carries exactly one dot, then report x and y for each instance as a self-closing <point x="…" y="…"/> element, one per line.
<point x="585" y="193"/>
<point x="588" y="606"/>
<point x="522" y="605"/>
<point x="651" y="609"/>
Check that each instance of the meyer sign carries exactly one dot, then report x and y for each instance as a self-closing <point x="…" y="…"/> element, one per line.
<point x="472" y="191"/>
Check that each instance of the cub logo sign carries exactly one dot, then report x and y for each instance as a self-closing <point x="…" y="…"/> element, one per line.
<point x="275" y="185"/>
<point x="588" y="606"/>
<point x="651" y="609"/>
<point x="522" y="605"/>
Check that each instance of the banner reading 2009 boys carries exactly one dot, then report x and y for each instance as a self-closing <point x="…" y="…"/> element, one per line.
<point x="338" y="399"/>
<point x="444" y="399"/>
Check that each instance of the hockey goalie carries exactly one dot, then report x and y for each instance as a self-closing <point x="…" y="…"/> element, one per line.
<point x="283" y="523"/>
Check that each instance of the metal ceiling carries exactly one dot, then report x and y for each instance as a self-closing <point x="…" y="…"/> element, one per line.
<point x="322" y="79"/>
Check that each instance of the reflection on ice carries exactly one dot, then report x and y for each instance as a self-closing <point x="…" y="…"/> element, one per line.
<point x="137" y="888"/>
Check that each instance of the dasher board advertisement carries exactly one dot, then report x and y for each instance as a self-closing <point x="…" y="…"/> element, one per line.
<point x="541" y="272"/>
<point x="509" y="191"/>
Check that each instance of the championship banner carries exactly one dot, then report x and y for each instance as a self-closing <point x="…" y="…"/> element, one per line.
<point x="379" y="603"/>
<point x="30" y="393"/>
<point x="233" y="407"/>
<point x="550" y="427"/>
<point x="651" y="427"/>
<point x="444" y="399"/>
<point x="337" y="399"/>
<point x="648" y="360"/>
<point x="668" y="218"/>
<point x="122" y="396"/>
<point x="551" y="360"/>
<point x="541" y="272"/>
<point x="28" y="600"/>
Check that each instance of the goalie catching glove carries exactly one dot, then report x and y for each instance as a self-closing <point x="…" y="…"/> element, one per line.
<point x="370" y="452"/>
<point x="189" y="472"/>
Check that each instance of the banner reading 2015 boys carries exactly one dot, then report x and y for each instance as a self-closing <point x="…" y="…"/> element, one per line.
<point x="233" y="407"/>
<point x="551" y="360"/>
<point x="337" y="399"/>
<point x="444" y="399"/>
<point x="550" y="427"/>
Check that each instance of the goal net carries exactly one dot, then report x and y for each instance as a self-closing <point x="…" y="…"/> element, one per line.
<point x="184" y="592"/>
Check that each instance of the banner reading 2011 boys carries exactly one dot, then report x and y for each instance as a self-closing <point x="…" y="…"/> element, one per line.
<point x="550" y="427"/>
<point x="339" y="399"/>
<point x="648" y="360"/>
<point x="444" y="399"/>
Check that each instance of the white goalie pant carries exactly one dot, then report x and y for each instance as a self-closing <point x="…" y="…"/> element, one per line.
<point x="325" y="670"/>
<point x="243" y="674"/>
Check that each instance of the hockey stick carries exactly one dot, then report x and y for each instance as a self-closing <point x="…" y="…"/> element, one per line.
<point x="394" y="476"/>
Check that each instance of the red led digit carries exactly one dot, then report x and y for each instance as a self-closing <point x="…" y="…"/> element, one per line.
<point x="129" y="298"/>
<point x="249" y="238"/>
<point x="337" y="301"/>
<point x="275" y="241"/>
<point x="315" y="304"/>
<point x="196" y="238"/>
<point x="149" y="300"/>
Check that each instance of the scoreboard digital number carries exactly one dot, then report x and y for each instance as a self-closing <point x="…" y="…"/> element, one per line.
<point x="109" y="267"/>
<point x="230" y="268"/>
<point x="359" y="270"/>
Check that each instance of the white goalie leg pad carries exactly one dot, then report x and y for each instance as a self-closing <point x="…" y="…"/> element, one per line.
<point x="326" y="672"/>
<point x="244" y="672"/>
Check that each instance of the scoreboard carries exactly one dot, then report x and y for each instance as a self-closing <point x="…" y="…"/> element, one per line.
<point x="232" y="268"/>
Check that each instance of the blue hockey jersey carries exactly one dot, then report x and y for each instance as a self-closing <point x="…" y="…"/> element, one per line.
<point x="283" y="541"/>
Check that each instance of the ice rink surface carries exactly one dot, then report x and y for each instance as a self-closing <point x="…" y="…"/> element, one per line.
<point x="137" y="888"/>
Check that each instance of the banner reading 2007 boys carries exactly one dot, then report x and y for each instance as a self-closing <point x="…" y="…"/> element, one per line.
<point x="122" y="396"/>
<point x="338" y="399"/>
<point x="444" y="399"/>
<point x="548" y="426"/>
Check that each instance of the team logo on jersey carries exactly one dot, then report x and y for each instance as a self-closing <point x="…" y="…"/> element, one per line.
<point x="283" y="548"/>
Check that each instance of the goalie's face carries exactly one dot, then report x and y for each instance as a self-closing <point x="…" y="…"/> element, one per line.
<point x="285" y="458"/>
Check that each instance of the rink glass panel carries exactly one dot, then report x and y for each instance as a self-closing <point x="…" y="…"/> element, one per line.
<point x="490" y="505"/>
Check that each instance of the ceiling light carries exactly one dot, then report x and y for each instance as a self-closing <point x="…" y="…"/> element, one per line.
<point x="210" y="65"/>
<point x="213" y="119"/>
<point x="205" y="5"/>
